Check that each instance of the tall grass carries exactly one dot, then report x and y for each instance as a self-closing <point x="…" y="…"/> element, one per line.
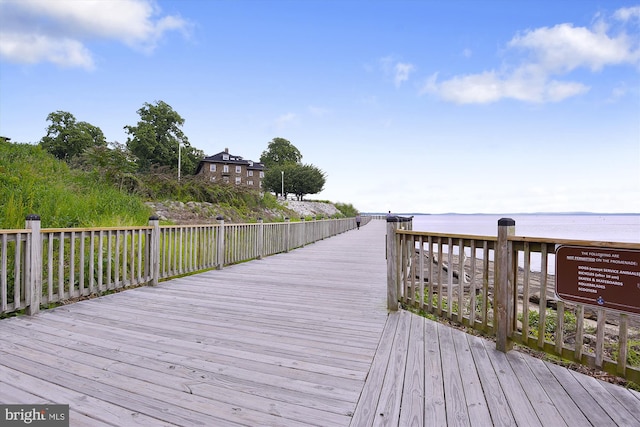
<point x="34" y="182"/>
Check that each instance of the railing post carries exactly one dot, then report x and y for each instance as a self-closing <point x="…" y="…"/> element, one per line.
<point x="287" y="234"/>
<point x="260" y="238"/>
<point x="503" y="311"/>
<point x="220" y="245"/>
<point x="303" y="233"/>
<point x="154" y="249"/>
<point x="33" y="265"/>
<point x="392" y="254"/>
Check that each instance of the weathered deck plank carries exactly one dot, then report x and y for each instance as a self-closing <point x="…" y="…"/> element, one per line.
<point x="455" y="403"/>
<point x="475" y="401"/>
<point x="302" y="338"/>
<point x="412" y="406"/>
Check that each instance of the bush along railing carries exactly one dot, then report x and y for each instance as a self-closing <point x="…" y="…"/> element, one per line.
<point x="41" y="267"/>
<point x="505" y="286"/>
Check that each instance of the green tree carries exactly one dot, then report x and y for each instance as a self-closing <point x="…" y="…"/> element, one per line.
<point x="280" y="152"/>
<point x="297" y="179"/>
<point x="114" y="164"/>
<point x="273" y="179"/>
<point x="307" y="179"/>
<point x="158" y="139"/>
<point x="67" y="138"/>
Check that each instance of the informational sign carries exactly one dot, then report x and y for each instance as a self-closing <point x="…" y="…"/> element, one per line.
<point x="601" y="277"/>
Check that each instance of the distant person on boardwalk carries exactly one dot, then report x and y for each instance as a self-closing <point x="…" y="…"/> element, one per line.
<point x="358" y="219"/>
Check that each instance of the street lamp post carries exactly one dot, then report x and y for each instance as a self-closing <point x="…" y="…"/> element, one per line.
<point x="282" y="172"/>
<point x="179" y="159"/>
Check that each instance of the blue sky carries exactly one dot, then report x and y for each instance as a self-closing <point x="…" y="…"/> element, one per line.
<point x="409" y="106"/>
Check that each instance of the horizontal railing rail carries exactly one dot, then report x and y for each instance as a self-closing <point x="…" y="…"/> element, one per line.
<point x="41" y="267"/>
<point x="504" y="286"/>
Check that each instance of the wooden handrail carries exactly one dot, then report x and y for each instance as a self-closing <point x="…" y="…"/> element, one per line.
<point x="488" y="283"/>
<point x="45" y="266"/>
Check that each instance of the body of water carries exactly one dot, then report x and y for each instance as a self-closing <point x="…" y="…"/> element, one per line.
<point x="607" y="228"/>
<point x="604" y="228"/>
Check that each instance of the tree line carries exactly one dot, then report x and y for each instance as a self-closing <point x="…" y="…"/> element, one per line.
<point x="156" y="142"/>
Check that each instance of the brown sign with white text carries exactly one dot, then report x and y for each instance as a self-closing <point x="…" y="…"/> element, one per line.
<point x="601" y="277"/>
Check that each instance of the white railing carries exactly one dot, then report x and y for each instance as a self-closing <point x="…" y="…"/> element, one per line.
<point x="39" y="267"/>
<point x="504" y="286"/>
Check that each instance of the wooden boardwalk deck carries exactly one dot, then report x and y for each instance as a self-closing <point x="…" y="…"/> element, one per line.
<point x="302" y="338"/>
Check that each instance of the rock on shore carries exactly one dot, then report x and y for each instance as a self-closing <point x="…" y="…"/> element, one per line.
<point x="311" y="208"/>
<point x="206" y="213"/>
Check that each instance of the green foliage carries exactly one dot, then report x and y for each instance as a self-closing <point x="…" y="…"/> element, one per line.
<point x="114" y="165"/>
<point x="347" y="209"/>
<point x="269" y="201"/>
<point x="67" y="138"/>
<point x="551" y="323"/>
<point x="103" y="190"/>
<point x="307" y="179"/>
<point x="33" y="181"/>
<point x="280" y="152"/>
<point x="274" y="180"/>
<point x="157" y="140"/>
<point x="298" y="179"/>
<point x="633" y="352"/>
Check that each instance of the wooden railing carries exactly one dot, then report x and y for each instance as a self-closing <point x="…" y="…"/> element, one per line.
<point x="39" y="267"/>
<point x="504" y="286"/>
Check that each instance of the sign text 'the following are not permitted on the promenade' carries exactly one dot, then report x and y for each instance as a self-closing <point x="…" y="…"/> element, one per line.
<point x="601" y="277"/>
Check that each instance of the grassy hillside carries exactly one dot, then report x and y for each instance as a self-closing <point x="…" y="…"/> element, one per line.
<point x="34" y="182"/>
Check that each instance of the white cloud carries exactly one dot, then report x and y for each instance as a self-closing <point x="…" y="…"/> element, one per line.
<point x="284" y="119"/>
<point x="551" y="52"/>
<point x="61" y="28"/>
<point x="621" y="91"/>
<point x="627" y="13"/>
<point x="490" y="87"/>
<point x="399" y="71"/>
<point x="402" y="71"/>
<point x="563" y="48"/>
<point x="33" y="48"/>
<point x="318" y="111"/>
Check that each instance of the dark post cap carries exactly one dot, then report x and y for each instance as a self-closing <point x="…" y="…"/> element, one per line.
<point x="33" y="217"/>
<point x="396" y="218"/>
<point x="219" y="218"/>
<point x="154" y="218"/>
<point x="506" y="222"/>
<point x="259" y="218"/>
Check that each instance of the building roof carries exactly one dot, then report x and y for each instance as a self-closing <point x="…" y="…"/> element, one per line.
<point x="225" y="158"/>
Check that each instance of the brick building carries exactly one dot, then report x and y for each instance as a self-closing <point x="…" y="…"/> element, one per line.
<point x="227" y="168"/>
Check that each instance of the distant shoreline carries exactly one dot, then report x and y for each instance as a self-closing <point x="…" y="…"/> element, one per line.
<point x="513" y="213"/>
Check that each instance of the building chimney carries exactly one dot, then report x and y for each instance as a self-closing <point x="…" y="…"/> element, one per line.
<point x="226" y="150"/>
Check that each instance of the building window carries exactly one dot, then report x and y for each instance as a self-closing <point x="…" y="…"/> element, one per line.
<point x="225" y="157"/>
<point x="225" y="179"/>
<point x="212" y="167"/>
<point x="249" y="173"/>
<point x="238" y="180"/>
<point x="225" y="169"/>
<point x="238" y="169"/>
<point x="261" y="174"/>
<point x="250" y="183"/>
